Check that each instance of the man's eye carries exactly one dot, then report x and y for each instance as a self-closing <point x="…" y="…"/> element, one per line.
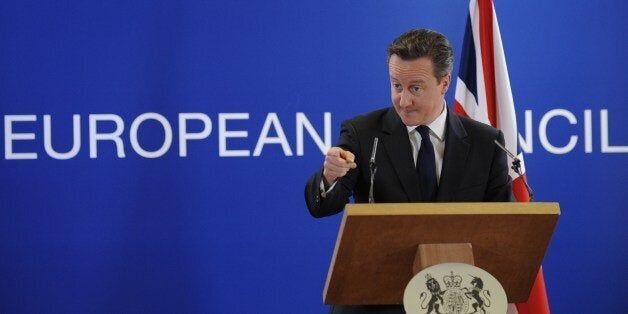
<point x="396" y="85"/>
<point x="417" y="89"/>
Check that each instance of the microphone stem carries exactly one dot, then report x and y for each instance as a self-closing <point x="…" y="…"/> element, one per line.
<point x="516" y="166"/>
<point x="373" y="168"/>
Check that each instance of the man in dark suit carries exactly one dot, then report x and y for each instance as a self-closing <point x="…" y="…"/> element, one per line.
<point x="426" y="153"/>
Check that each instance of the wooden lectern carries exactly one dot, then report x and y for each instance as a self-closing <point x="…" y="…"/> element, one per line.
<point x="381" y="246"/>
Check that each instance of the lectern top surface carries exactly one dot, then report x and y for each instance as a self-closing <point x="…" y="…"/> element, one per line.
<point x="392" y="209"/>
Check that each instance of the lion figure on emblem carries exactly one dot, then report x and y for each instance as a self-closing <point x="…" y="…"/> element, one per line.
<point x="436" y="299"/>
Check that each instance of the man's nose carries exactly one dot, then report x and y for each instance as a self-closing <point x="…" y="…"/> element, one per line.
<point x="405" y="100"/>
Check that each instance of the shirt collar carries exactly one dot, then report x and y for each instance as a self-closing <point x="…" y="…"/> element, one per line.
<point x="437" y="127"/>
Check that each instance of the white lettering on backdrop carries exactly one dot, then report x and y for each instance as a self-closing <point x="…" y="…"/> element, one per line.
<point x="20" y="135"/>
<point x="559" y="131"/>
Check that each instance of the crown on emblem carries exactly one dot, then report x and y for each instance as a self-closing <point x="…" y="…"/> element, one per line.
<point x="452" y="281"/>
<point x="428" y="277"/>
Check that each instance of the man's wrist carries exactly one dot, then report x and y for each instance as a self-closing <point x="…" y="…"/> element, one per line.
<point x="327" y="181"/>
<point x="326" y="188"/>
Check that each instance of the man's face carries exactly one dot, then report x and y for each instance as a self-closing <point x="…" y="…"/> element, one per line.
<point x="415" y="92"/>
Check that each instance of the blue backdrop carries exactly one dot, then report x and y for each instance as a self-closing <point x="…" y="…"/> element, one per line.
<point x="206" y="232"/>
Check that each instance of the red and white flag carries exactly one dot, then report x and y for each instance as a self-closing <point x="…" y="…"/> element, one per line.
<point x="483" y="93"/>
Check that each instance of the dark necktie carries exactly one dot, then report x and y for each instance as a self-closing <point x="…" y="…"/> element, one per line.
<point x="426" y="166"/>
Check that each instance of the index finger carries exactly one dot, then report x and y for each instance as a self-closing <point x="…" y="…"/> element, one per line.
<point x="347" y="155"/>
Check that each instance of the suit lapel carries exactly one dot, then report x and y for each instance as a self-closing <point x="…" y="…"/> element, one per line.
<point x="456" y="151"/>
<point x="397" y="146"/>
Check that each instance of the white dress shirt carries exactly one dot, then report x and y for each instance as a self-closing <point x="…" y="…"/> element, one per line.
<point x="437" y="136"/>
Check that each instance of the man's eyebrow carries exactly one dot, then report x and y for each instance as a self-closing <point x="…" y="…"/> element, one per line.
<point x="417" y="81"/>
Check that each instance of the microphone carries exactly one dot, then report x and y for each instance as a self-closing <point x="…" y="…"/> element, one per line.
<point x="516" y="166"/>
<point x="373" y="168"/>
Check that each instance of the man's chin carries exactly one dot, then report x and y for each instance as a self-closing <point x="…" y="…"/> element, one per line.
<point x="410" y="120"/>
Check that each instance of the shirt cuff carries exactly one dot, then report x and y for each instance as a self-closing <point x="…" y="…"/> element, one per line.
<point x="322" y="188"/>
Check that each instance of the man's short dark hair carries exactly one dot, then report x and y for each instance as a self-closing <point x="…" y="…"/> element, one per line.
<point x="417" y="43"/>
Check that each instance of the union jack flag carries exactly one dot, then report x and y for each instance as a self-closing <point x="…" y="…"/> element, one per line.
<point x="483" y="93"/>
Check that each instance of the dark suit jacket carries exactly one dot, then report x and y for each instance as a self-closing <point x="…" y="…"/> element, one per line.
<point x="474" y="168"/>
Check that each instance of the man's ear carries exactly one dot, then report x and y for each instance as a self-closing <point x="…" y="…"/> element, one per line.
<point x="445" y="80"/>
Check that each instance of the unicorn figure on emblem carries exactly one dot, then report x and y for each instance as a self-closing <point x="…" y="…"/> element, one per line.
<point x="480" y="297"/>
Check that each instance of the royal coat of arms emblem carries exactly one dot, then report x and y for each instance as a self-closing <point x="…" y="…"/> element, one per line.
<point x="454" y="290"/>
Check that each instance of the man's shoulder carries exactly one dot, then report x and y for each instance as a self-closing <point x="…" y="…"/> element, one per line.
<point x="370" y="119"/>
<point x="475" y="127"/>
